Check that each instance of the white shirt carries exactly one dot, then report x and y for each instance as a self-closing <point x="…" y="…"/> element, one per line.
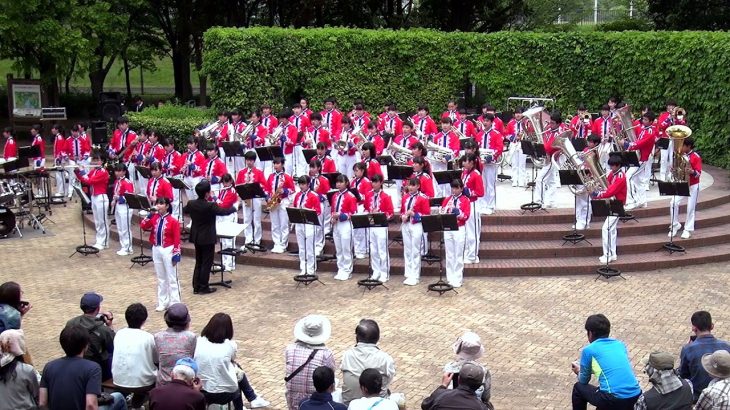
<point x="364" y="356"/>
<point x="135" y="355"/>
<point x="215" y="365"/>
<point x="374" y="403"/>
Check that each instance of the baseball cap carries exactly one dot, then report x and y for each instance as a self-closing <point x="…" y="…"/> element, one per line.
<point x="90" y="301"/>
<point x="661" y="361"/>
<point x="177" y="315"/>
<point x="189" y="362"/>
<point x="471" y="374"/>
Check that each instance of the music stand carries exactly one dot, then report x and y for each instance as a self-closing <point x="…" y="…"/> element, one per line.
<point x="225" y="230"/>
<point x="440" y="223"/>
<point x="662" y="143"/>
<point x="534" y="151"/>
<point x="606" y="208"/>
<point x="250" y="192"/>
<point x="26" y="153"/>
<point x="332" y="178"/>
<point x="303" y="216"/>
<point x="233" y="149"/>
<point x="139" y="202"/>
<point x="571" y="177"/>
<point x="268" y="153"/>
<point x="430" y="258"/>
<point x="180" y="185"/>
<point x="628" y="158"/>
<point x="445" y="177"/>
<point x="386" y="160"/>
<point x="84" y="249"/>
<point x="674" y="189"/>
<point x="400" y="172"/>
<point x="309" y="154"/>
<point x="367" y="221"/>
<point x="144" y="171"/>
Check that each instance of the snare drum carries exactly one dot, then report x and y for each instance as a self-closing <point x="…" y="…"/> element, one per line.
<point x="7" y="221"/>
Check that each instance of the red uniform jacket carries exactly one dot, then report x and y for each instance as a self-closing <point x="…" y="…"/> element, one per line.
<point x="328" y="164"/>
<point x="38" y="142"/>
<point x="11" y="149"/>
<point x="498" y="124"/>
<point x="416" y="202"/>
<point x="665" y="121"/>
<point x="394" y="124"/>
<point x="307" y="200"/>
<point x="332" y="120"/>
<point x="378" y="141"/>
<point x="320" y="185"/>
<point x="156" y="153"/>
<point x="122" y="186"/>
<point x="270" y="123"/>
<point x="373" y="168"/>
<point x="448" y="140"/>
<point x="454" y="115"/>
<point x="549" y="137"/>
<point x="425" y="125"/>
<point x="461" y="203"/>
<point x="159" y="188"/>
<point x="140" y="152"/>
<point x="473" y="181"/>
<point x="214" y="167"/>
<point x="220" y="133"/>
<point x="696" y="163"/>
<point x="514" y="128"/>
<point x="227" y="197"/>
<point x="344" y="202"/>
<point x="406" y="141"/>
<point x="257" y="138"/>
<point x="467" y="128"/>
<point x="616" y="186"/>
<point x="320" y="134"/>
<point x="363" y="186"/>
<point x="120" y="141"/>
<point x="351" y="149"/>
<point x="291" y="136"/>
<point x="280" y="180"/>
<point x="580" y="128"/>
<point x="379" y="202"/>
<point x="236" y="127"/>
<point x="644" y="142"/>
<point x="251" y="176"/>
<point x="301" y="122"/>
<point x="172" y="163"/>
<point x="602" y="126"/>
<point x="97" y="179"/>
<point x="59" y="147"/>
<point x="426" y="183"/>
<point x="164" y="231"/>
<point x="494" y="141"/>
<point x="77" y="148"/>
<point x="360" y="121"/>
<point x="196" y="166"/>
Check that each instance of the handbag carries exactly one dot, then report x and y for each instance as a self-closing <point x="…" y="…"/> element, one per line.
<point x="300" y="368"/>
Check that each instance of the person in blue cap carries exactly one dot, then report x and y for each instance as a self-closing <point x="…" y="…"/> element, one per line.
<point x="183" y="392"/>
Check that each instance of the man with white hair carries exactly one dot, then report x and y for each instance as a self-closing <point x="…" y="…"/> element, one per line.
<point x="183" y="392"/>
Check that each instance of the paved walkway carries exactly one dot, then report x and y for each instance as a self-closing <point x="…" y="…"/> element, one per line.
<point x="532" y="327"/>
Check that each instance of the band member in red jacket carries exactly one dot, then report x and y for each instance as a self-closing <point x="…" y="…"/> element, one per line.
<point x="318" y="133"/>
<point x="583" y="199"/>
<point x="140" y="151"/>
<point x="638" y="177"/>
<point x="546" y="182"/>
<point x="157" y="150"/>
<point x="378" y="201"/>
<point x="328" y="164"/>
<point x="37" y="141"/>
<point x="454" y="241"/>
<point x="413" y="206"/>
<point x="498" y="123"/>
<point x="193" y="167"/>
<point x="667" y="119"/>
<point x="391" y="124"/>
<point x="251" y="209"/>
<point x="331" y="117"/>
<point x="605" y="127"/>
<point x="320" y="185"/>
<point x="214" y="168"/>
<point x="617" y="190"/>
<point x="77" y="152"/>
<point x="693" y="171"/>
<point x="407" y="139"/>
<point x="360" y="118"/>
<point x="473" y="189"/>
<point x="268" y="120"/>
<point x="515" y="132"/>
<point x="172" y="162"/>
<point x="344" y="205"/>
<point x="279" y="185"/>
<point x="304" y="103"/>
<point x="120" y="145"/>
<point x="10" y="150"/>
<point x="368" y="156"/>
<point x="423" y="124"/>
<point x="464" y="125"/>
<point x="446" y="139"/>
<point x="97" y="179"/>
<point x="374" y="137"/>
<point x="422" y="172"/>
<point x="59" y="151"/>
<point x="165" y="239"/>
<point x="306" y="242"/>
<point x="491" y="145"/>
<point x="302" y="124"/>
<point x="158" y="186"/>
<point x="451" y="112"/>
<point x="122" y="214"/>
<point x="347" y="153"/>
<point x="582" y="123"/>
<point x="361" y="183"/>
<point x="288" y="138"/>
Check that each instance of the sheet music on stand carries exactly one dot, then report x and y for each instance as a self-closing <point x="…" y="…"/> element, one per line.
<point x="228" y="229"/>
<point x="233" y="148"/>
<point x="178" y="183"/>
<point x="144" y="171"/>
<point x="309" y="154"/>
<point x="400" y="172"/>
<point x="445" y="177"/>
<point x="628" y="158"/>
<point x="302" y="216"/>
<point x="268" y="153"/>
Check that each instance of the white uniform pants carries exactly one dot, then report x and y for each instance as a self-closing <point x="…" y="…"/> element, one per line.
<point x="99" y="206"/>
<point x="176" y="204"/>
<point x="299" y="162"/>
<point x="229" y="262"/>
<point x="191" y="182"/>
<point x="454" y="244"/>
<point x="440" y="190"/>
<point x="689" y="222"/>
<point x="519" y="166"/>
<point x="252" y="220"/>
<point x="133" y="176"/>
<point x="665" y="161"/>
<point x="638" y="182"/>
<point x="325" y="221"/>
<point x="490" y="186"/>
<point x="545" y="184"/>
<point x="582" y="211"/>
<point x="280" y="226"/>
<point x="412" y="240"/>
<point x="342" y="235"/>
<point x="168" y="288"/>
<point x="379" y="258"/>
<point x="61" y="188"/>
<point x="345" y="164"/>
<point x="360" y="237"/>
<point x="289" y="164"/>
<point x="123" y="216"/>
<point x="608" y="235"/>
<point x="472" y="235"/>
<point x="142" y="184"/>
<point x="306" y="244"/>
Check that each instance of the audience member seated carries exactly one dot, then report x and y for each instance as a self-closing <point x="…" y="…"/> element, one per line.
<point x="215" y="353"/>
<point x="324" y="384"/>
<point x="468" y="348"/>
<point x="717" y="394"/>
<point x="365" y="355"/>
<point x="72" y="382"/>
<point x="12" y="307"/>
<point x="464" y="396"/>
<point x="307" y="353"/>
<point x="174" y="343"/>
<point x="18" y="380"/>
<point x="371" y="384"/>
<point x="182" y="392"/>
<point x="101" y="332"/>
<point x="667" y="390"/>
<point x="135" y="356"/>
<point x="701" y="343"/>
<point x="608" y="359"/>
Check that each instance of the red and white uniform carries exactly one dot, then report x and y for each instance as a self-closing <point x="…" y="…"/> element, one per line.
<point x="393" y="125"/>
<point x="279" y="220"/>
<point x="159" y="188"/>
<point x="473" y="191"/>
<point x="547" y="181"/>
<point x="601" y="126"/>
<point x="301" y="122"/>
<point x="165" y="240"/>
<point x="518" y="158"/>
<point x="426" y="183"/>
<point x="252" y="214"/>
<point x="467" y="128"/>
<point x="122" y="186"/>
<point x="346" y="158"/>
<point x="122" y="214"/>
<point x="97" y="179"/>
<point x="378" y="237"/>
<point x="220" y="133"/>
<point x="644" y="142"/>
<point x="141" y="152"/>
<point x="378" y="141"/>
<point x="406" y="141"/>
<point x="227" y="198"/>
<point x="77" y="148"/>
<point x="360" y="121"/>
<point x="453" y="114"/>
<point x="666" y="155"/>
<point x="290" y="139"/>
<point x="332" y="120"/>
<point x="156" y="153"/>
<point x="328" y="164"/>
<point x="269" y="122"/>
<point x="320" y="134"/>
<point x="638" y="177"/>
<point x="59" y="148"/>
<point x="455" y="241"/>
<point x="498" y="124"/>
<point x="120" y="141"/>
<point x="308" y="200"/>
<point x="172" y="163"/>
<point x="214" y="169"/>
<point x="412" y="232"/>
<point x="616" y="189"/>
<point x="193" y="171"/>
<point x="11" y="149"/>
<point x="580" y="128"/>
<point x="257" y="138"/>
<point x="694" y="189"/>
<point x="448" y="140"/>
<point x="251" y="176"/>
<point x="38" y="161"/>
<point x="425" y="125"/>
<point x="236" y="127"/>
<point x="373" y="168"/>
<point x="343" y="203"/>
<point x="492" y="141"/>
<point x="363" y="186"/>
<point x="461" y="203"/>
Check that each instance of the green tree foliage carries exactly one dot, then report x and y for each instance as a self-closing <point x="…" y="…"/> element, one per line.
<point x="411" y="67"/>
<point x="690" y="14"/>
<point x="171" y="121"/>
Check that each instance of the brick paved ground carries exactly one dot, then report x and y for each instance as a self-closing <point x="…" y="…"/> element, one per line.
<point x="532" y="327"/>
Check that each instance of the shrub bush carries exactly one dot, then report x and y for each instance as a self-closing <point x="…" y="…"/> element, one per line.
<point x="251" y="66"/>
<point x="173" y="121"/>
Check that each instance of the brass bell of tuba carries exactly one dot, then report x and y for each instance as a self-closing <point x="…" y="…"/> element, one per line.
<point x="677" y="133"/>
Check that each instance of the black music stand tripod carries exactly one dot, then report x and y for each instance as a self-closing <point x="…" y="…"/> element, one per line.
<point x="603" y="207"/>
<point x="84" y="249"/>
<point x="570" y="177"/>
<point x="430" y="258"/>
<point x="367" y="221"/>
<point x="233" y="150"/>
<point x="399" y="173"/>
<point x="674" y="189"/>
<point x="180" y="185"/>
<point x="628" y="159"/>
<point x="440" y="223"/>
<point x="302" y="216"/>
<point x="250" y="192"/>
<point x="139" y="202"/>
<point x="534" y="151"/>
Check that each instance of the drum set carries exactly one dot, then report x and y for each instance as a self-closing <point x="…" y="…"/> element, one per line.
<point x="17" y="200"/>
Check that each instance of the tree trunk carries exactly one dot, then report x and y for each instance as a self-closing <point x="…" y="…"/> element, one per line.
<point x="126" y="76"/>
<point x="49" y="81"/>
<point x="181" y="70"/>
<point x="203" y="98"/>
<point x="96" y="78"/>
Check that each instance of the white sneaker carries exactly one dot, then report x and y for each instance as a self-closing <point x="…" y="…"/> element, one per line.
<point x="489" y="211"/>
<point x="455" y="285"/>
<point x="97" y="246"/>
<point x="122" y="252"/>
<point x="514" y="184"/>
<point x="277" y="250"/>
<point x="630" y="206"/>
<point x="343" y="276"/>
<point x="410" y="282"/>
<point x="605" y="259"/>
<point x="259" y="402"/>
<point x="360" y="256"/>
<point x="673" y="231"/>
<point x="160" y="308"/>
<point x="686" y="234"/>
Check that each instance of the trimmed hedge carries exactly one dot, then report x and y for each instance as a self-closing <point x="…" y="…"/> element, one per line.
<point x="173" y="121"/>
<point x="250" y="66"/>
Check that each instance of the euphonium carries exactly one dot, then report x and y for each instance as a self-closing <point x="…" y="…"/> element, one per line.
<point x="274" y="137"/>
<point x="589" y="169"/>
<point x="207" y="131"/>
<point x="534" y="121"/>
<point x="438" y="152"/>
<point x="342" y="142"/>
<point x="677" y="133"/>
<point x="401" y="155"/>
<point x="243" y="136"/>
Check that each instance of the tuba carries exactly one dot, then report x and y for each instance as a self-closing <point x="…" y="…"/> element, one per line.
<point x="678" y="114"/>
<point x="401" y="155"/>
<point x="587" y="166"/>
<point x="534" y="121"/>
<point x="677" y="133"/>
<point x="438" y="152"/>
<point x="623" y="115"/>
